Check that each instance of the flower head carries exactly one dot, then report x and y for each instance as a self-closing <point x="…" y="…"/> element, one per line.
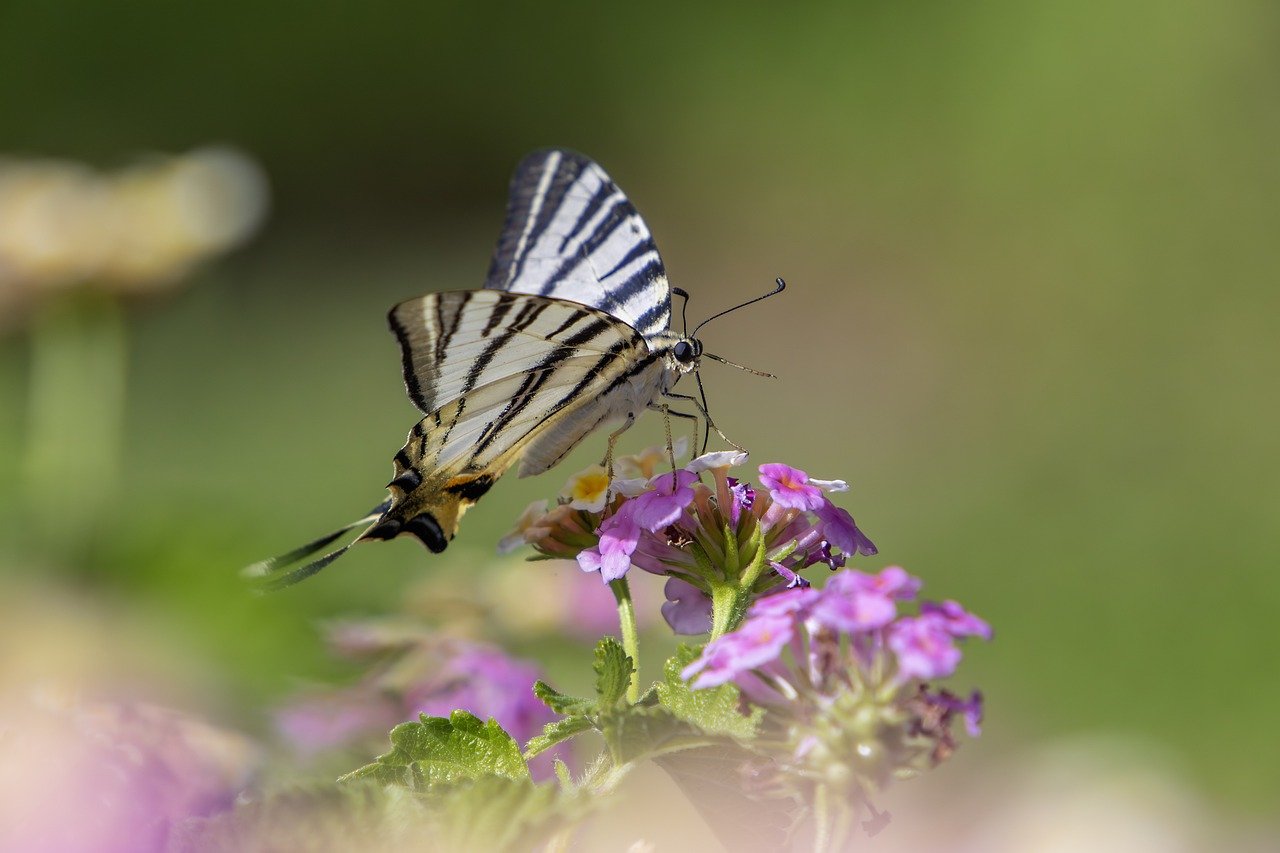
<point x="701" y="533"/>
<point x="843" y="673"/>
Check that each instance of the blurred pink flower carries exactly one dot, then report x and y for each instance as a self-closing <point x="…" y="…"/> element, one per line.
<point x="420" y="672"/>
<point x="111" y="777"/>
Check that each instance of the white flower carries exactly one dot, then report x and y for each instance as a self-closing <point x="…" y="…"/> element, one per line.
<point x="718" y="459"/>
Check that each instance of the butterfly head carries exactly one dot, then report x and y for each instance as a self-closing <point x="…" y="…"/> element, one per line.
<point x="685" y="354"/>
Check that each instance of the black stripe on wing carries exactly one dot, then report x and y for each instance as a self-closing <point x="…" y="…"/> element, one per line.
<point x="571" y="234"/>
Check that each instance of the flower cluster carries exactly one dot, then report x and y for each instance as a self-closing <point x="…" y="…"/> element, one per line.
<point x="419" y="672"/>
<point x="714" y="542"/>
<point x="844" y="676"/>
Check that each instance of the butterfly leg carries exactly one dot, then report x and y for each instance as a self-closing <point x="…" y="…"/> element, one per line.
<point x="707" y="417"/>
<point x="607" y="464"/>
<point x="667" y="414"/>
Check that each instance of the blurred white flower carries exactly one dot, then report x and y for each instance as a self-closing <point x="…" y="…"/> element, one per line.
<point x="63" y="225"/>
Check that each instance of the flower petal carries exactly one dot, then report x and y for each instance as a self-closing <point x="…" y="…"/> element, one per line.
<point x="717" y="459"/>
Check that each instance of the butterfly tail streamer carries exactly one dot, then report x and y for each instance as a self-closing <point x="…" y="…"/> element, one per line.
<point x="267" y="574"/>
<point x="279" y="581"/>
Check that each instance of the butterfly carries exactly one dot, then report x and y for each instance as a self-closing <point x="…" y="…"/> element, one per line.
<point x="571" y="333"/>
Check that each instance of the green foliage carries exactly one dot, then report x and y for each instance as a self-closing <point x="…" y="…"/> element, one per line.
<point x="559" y="702"/>
<point x="438" y="751"/>
<point x="315" y="818"/>
<point x="715" y="711"/>
<point x="614" y="670"/>
<point x="498" y="813"/>
<point x="484" y="813"/>
<point x="669" y="718"/>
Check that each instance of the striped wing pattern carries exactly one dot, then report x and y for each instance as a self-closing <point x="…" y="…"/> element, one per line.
<point x="572" y="234"/>
<point x="492" y="369"/>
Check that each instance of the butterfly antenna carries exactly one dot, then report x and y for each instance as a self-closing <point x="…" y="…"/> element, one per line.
<point x="739" y="366"/>
<point x="781" y="286"/>
<point x="684" y="309"/>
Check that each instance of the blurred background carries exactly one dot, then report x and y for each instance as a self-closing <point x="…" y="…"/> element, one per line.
<point x="1032" y="319"/>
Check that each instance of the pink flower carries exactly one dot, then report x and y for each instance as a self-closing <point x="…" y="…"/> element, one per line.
<point x="619" y="536"/>
<point x="759" y="641"/>
<point x="666" y="503"/>
<point x="924" y="648"/>
<point x="958" y="621"/>
<point x="843" y="606"/>
<point x="790" y="487"/>
<point x="839" y="528"/>
<point x="687" y="608"/>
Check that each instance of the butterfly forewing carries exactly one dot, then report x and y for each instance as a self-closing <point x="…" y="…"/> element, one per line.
<point x="572" y="234"/>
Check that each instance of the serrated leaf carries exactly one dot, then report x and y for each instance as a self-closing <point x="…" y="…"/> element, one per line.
<point x="557" y="732"/>
<point x="634" y="733"/>
<point x="438" y="751"/>
<point x="560" y="703"/>
<point x="715" y="710"/>
<point x="613" y="672"/>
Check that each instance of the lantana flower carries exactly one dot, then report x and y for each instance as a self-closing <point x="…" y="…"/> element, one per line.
<point x="844" y="677"/>
<point x="725" y="541"/>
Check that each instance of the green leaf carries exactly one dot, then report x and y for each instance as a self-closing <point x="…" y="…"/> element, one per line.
<point x="312" y="817"/>
<point x="714" y="711"/>
<point x="499" y="813"/>
<point x="487" y="813"/>
<point x="557" y="732"/>
<point x="439" y="751"/>
<point x="560" y="703"/>
<point x="634" y="733"/>
<point x="613" y="672"/>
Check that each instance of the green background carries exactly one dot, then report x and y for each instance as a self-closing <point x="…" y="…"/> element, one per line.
<point x="1032" y="316"/>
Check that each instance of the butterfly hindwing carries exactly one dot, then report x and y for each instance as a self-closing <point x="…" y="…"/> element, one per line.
<point x="572" y="234"/>
<point x="542" y="378"/>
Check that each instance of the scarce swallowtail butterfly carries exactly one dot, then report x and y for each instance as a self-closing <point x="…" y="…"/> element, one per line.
<point x="571" y="333"/>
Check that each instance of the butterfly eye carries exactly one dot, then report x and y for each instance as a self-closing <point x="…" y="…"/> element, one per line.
<point x="683" y="351"/>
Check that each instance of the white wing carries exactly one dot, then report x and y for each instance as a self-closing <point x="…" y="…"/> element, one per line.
<point x="494" y="372"/>
<point x="572" y="234"/>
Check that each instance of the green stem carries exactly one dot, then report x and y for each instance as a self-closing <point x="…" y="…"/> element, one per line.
<point x="724" y="601"/>
<point x="821" y="820"/>
<point x="630" y="636"/>
<point x="75" y="416"/>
